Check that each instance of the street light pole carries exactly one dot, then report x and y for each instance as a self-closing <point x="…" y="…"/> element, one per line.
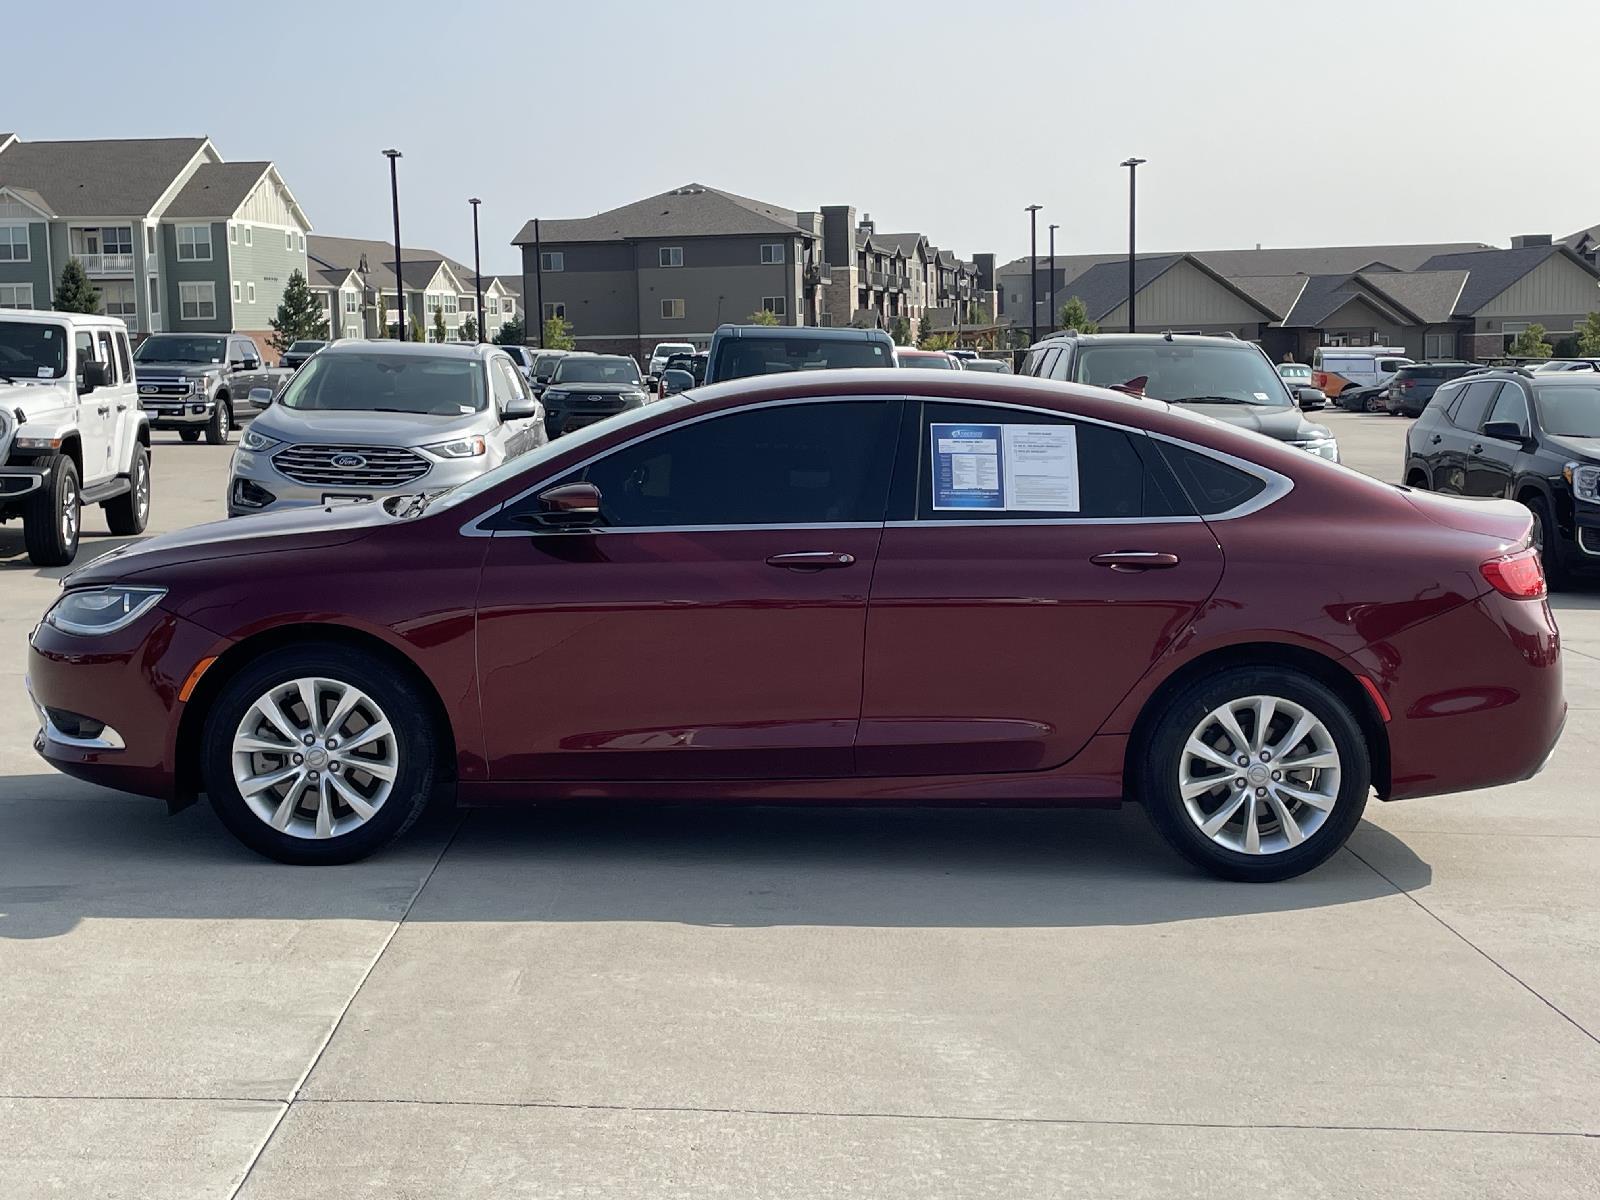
<point x="399" y="281"/>
<point x="1133" y="171"/>
<point x="477" y="267"/>
<point x="1055" y="314"/>
<point x="538" y="283"/>
<point x="1033" y="272"/>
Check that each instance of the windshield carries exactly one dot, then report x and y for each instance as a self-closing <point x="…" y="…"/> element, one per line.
<point x="534" y="460"/>
<point x="29" y="351"/>
<point x="740" y="357"/>
<point x="175" y="347"/>
<point x="306" y="347"/>
<point x="1570" y="411"/>
<point x="929" y="362"/>
<point x="544" y="366"/>
<point x="666" y="348"/>
<point x="601" y="368"/>
<point x="425" y="384"/>
<point x="1231" y="373"/>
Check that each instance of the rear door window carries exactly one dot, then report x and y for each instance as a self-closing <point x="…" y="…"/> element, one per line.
<point x="1468" y="412"/>
<point x="1510" y="405"/>
<point x="104" y="353"/>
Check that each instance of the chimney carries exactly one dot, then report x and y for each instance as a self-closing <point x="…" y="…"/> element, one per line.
<point x="866" y="224"/>
<point x="363" y="268"/>
<point x="1523" y="240"/>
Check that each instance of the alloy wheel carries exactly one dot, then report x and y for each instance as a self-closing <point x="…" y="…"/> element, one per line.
<point x="1259" y="774"/>
<point x="315" y="758"/>
<point x="71" y="513"/>
<point x="141" y="491"/>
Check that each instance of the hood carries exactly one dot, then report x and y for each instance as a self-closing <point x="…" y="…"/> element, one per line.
<point x="32" y="398"/>
<point x="1285" y="423"/>
<point x="189" y="370"/>
<point x="595" y="389"/>
<point x="1586" y="448"/>
<point x="362" y="428"/>
<point x="265" y="533"/>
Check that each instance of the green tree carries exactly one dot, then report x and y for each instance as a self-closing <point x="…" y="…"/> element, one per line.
<point x="416" y="334"/>
<point x="469" y="330"/>
<point x="558" y="334"/>
<point x="1589" y="336"/>
<point x="978" y="316"/>
<point x="509" y="334"/>
<point x="900" y="331"/>
<point x="300" y="315"/>
<point x="1530" y="343"/>
<point x="75" y="294"/>
<point x="1075" y="316"/>
<point x="763" y="316"/>
<point x="439" y="330"/>
<point x="924" y="329"/>
<point x="939" y="341"/>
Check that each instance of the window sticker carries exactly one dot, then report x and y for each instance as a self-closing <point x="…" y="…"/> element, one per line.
<point x="966" y="467"/>
<point x="1010" y="468"/>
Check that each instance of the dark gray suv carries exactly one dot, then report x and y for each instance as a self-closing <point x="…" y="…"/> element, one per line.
<point x="1222" y="377"/>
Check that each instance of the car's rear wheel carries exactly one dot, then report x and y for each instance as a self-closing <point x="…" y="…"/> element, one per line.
<point x="319" y="754"/>
<point x="1255" y="773"/>
<point x="129" y="513"/>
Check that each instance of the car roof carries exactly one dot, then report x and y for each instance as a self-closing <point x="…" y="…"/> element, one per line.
<point x="1135" y="339"/>
<point x="398" y="349"/>
<point x="50" y="317"/>
<point x="824" y="333"/>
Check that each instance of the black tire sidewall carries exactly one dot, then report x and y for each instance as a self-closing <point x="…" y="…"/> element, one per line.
<point x="122" y="514"/>
<point x="41" y="519"/>
<point x="220" y="428"/>
<point x="1158" y="774"/>
<point x="1553" y="548"/>
<point x="394" y="693"/>
<point x="189" y="435"/>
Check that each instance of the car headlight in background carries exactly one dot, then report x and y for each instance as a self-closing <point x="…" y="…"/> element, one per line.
<point x="94" y="611"/>
<point x="551" y="394"/>
<point x="250" y="439"/>
<point x="1322" y="447"/>
<point x="467" y="447"/>
<point x="639" y="396"/>
<point x="1585" y="481"/>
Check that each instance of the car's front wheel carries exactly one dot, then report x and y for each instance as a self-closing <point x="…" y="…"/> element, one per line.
<point x="319" y="754"/>
<point x="1255" y="773"/>
<point x="220" y="427"/>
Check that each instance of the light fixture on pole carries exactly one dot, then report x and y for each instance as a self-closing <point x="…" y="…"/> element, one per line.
<point x="1033" y="272"/>
<point x="399" y="282"/>
<point x="477" y="267"/>
<point x="1054" y="312"/>
<point x="1133" y="172"/>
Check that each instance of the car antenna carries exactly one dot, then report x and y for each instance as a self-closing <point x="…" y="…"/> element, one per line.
<point x="1167" y="334"/>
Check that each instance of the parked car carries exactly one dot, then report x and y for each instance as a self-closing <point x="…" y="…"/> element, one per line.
<point x="740" y="351"/>
<point x="544" y="366"/>
<point x="186" y="381"/>
<point x="71" y="430"/>
<point x="1222" y="378"/>
<point x="295" y="356"/>
<point x="674" y="604"/>
<point x="992" y="365"/>
<point x="1555" y="365"/>
<point x="929" y="360"/>
<point x="664" y="351"/>
<point x="1413" y="385"/>
<point x="962" y="356"/>
<point x="366" y="420"/>
<point x="1524" y="436"/>
<point x="1296" y="375"/>
<point x="523" y="358"/>
<point x="590" y="387"/>
<point x="1335" y="368"/>
<point x="694" y="365"/>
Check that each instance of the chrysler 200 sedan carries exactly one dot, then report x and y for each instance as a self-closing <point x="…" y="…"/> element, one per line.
<point x="888" y="587"/>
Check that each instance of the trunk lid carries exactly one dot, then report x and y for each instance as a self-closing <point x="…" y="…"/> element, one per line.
<point x="1504" y="520"/>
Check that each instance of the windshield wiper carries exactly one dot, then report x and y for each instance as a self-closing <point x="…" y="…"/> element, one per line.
<point x="1212" y="400"/>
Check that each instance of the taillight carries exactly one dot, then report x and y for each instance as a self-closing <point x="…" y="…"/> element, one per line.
<point x="1519" y="575"/>
<point x="1407" y="383"/>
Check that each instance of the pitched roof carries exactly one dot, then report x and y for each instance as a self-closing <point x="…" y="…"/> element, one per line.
<point x="105" y="178"/>
<point x="1493" y="271"/>
<point x="29" y="196"/>
<point x="1294" y="260"/>
<point x="1105" y="285"/>
<point x="1430" y="295"/>
<point x="693" y="210"/>
<point x="1583" y="237"/>
<point x="1276" y="293"/>
<point x="217" y="189"/>
<point x="1325" y="295"/>
<point x="906" y="243"/>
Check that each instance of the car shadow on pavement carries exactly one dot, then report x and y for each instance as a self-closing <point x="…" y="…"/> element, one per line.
<point x="14" y="555"/>
<point x="69" y="853"/>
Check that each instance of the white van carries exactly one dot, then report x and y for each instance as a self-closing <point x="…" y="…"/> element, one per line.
<point x="1335" y="368"/>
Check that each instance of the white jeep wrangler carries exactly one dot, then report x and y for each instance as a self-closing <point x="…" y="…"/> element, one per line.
<point x="71" y="430"/>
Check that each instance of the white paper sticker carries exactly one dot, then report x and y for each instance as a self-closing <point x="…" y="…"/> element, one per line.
<point x="47" y="373"/>
<point x="1041" y="468"/>
<point x="1264" y="398"/>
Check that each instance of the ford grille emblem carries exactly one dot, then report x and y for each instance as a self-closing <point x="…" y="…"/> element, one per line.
<point x="349" y="462"/>
<point x="148" y="391"/>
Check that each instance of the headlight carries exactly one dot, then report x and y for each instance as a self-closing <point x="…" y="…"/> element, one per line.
<point x="633" y="395"/>
<point x="552" y="394"/>
<point x="1585" y="481"/>
<point x="93" y="611"/>
<point x="251" y="440"/>
<point x="1327" y="448"/>
<point x="467" y="447"/>
<point x="36" y="443"/>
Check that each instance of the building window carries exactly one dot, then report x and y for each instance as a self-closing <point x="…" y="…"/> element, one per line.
<point x="776" y="305"/>
<point x="302" y="241"/>
<point x="249" y="235"/>
<point x="150" y="241"/>
<point x="249" y="293"/>
<point x="197" y="301"/>
<point x="233" y="234"/>
<point x="672" y="256"/>
<point x="672" y="310"/>
<point x="288" y="240"/>
<point x="1439" y="345"/>
<point x="469" y="304"/>
<point x="155" y="295"/>
<point x="16" y="295"/>
<point x="450" y="303"/>
<point x="238" y="292"/>
<point x="493" y="306"/>
<point x="352" y="301"/>
<point x="1510" y="330"/>
<point x="555" y="312"/>
<point x="552" y="260"/>
<point x="14" y="244"/>
<point x="118" y="299"/>
<point x="194" y="243"/>
<point x="509" y="307"/>
<point x="771" y="252"/>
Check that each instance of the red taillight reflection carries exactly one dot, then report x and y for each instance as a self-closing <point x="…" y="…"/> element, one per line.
<point x="1519" y="575"/>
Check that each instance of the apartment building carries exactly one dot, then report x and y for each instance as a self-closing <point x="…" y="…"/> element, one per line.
<point x="172" y="236"/>
<point x="355" y="279"/>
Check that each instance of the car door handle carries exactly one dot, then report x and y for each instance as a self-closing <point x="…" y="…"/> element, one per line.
<point x="1436" y="439"/>
<point x="104" y="410"/>
<point x="1135" y="560"/>
<point x="810" y="560"/>
<point x="1477" y="447"/>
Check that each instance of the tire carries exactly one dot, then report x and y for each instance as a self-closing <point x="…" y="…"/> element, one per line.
<point x="129" y="513"/>
<point x="189" y="435"/>
<point x="1552" y="551"/>
<point x="52" y="516"/>
<point x="1166" y="764"/>
<point x="309" y="832"/>
<point x="220" y="428"/>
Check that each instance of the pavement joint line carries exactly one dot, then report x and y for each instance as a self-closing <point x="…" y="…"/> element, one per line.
<point x="294" y="1096"/>
<point x="1487" y="957"/>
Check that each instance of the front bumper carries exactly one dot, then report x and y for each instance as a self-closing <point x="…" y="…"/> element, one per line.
<point x="177" y="412"/>
<point x="252" y="475"/>
<point x="569" y="413"/>
<point x="18" y="481"/>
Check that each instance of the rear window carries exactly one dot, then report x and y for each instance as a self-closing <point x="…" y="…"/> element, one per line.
<point x="741" y="357"/>
<point x="1212" y="487"/>
<point x="1423" y="373"/>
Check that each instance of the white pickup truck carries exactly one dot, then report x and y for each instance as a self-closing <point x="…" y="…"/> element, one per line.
<point x="71" y="430"/>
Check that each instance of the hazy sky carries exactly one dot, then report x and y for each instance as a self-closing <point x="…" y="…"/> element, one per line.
<point x="1281" y="123"/>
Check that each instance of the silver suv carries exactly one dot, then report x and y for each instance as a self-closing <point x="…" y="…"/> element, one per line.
<point x="364" y="420"/>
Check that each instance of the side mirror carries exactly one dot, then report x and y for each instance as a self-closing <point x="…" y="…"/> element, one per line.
<point x="521" y="408"/>
<point x="251" y="364"/>
<point x="1507" y="431"/>
<point x="566" y="506"/>
<point x="675" y="381"/>
<point x="261" y="397"/>
<point x="91" y="375"/>
<point x="1309" y="395"/>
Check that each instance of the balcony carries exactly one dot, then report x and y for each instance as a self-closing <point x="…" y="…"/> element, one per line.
<point x="819" y="274"/>
<point x="106" y="264"/>
<point x="877" y="279"/>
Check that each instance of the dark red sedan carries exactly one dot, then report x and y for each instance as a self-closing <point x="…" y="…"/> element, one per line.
<point x="872" y="586"/>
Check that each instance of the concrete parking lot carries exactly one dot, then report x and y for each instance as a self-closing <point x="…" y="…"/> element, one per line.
<point x="782" y="1003"/>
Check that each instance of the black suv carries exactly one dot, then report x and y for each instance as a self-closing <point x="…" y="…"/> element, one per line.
<point x="1413" y="385"/>
<point x="1222" y="377"/>
<point x="1534" y="438"/>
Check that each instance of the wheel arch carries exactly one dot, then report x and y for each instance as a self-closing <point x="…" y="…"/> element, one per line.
<point x="1266" y="654"/>
<point x="191" y="724"/>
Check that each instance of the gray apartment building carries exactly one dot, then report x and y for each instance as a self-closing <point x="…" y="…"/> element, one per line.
<point x="173" y="237"/>
<point x="673" y="267"/>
